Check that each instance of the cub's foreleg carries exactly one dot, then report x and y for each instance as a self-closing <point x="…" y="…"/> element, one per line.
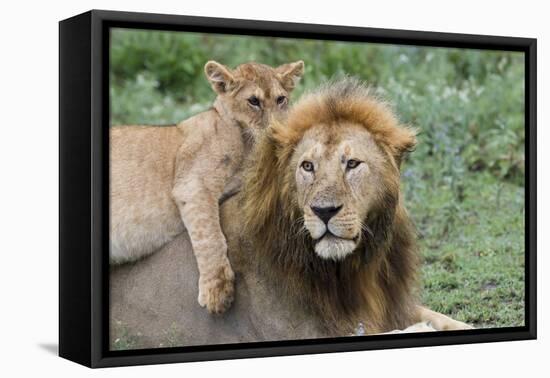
<point x="199" y="209"/>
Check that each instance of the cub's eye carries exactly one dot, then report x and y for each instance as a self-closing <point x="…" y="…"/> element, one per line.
<point x="281" y="100"/>
<point x="254" y="101"/>
<point x="352" y="164"/>
<point x="307" y="166"/>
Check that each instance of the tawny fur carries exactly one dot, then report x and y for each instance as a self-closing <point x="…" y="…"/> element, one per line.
<point x="377" y="283"/>
<point x="165" y="179"/>
<point x="285" y="291"/>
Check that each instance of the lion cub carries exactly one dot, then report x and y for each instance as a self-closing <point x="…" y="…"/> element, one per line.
<point x="165" y="179"/>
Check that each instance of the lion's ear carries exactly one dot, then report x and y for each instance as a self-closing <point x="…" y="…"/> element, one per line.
<point x="219" y="76"/>
<point x="290" y="74"/>
<point x="404" y="142"/>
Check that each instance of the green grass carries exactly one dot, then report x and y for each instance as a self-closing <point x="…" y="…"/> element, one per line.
<point x="473" y="251"/>
<point x="463" y="184"/>
<point x="123" y="339"/>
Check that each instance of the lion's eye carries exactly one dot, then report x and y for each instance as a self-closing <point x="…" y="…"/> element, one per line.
<point x="254" y="101"/>
<point x="307" y="166"/>
<point x="352" y="164"/>
<point x="281" y="100"/>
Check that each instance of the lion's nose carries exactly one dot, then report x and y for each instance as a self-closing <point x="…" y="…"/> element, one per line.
<point x="325" y="213"/>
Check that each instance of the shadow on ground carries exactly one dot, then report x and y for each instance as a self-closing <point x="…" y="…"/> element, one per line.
<point x="51" y="348"/>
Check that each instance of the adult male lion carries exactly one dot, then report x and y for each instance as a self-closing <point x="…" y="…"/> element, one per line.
<point x="326" y="244"/>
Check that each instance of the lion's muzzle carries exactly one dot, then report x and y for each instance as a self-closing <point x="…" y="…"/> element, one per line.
<point x="330" y="229"/>
<point x="326" y="213"/>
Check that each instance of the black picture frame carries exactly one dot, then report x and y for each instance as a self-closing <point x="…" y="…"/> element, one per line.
<point x="83" y="181"/>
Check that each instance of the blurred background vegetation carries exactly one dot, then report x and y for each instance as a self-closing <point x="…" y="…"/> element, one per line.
<point x="464" y="184"/>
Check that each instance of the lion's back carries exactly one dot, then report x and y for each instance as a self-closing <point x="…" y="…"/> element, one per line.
<point x="143" y="214"/>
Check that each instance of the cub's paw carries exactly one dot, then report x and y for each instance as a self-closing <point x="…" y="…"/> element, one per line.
<point x="216" y="292"/>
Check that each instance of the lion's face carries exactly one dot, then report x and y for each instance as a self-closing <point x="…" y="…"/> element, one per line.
<point x="252" y="94"/>
<point x="340" y="176"/>
<point x="322" y="209"/>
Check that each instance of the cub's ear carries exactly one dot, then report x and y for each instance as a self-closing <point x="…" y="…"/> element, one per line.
<point x="290" y="74"/>
<point x="404" y="142"/>
<point x="219" y="76"/>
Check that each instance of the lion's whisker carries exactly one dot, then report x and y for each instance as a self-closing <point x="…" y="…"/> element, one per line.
<point x="366" y="228"/>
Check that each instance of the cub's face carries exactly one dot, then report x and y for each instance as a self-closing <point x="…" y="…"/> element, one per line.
<point x="341" y="176"/>
<point x="252" y="93"/>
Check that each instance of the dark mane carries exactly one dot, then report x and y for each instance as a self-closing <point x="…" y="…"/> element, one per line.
<point x="376" y="285"/>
